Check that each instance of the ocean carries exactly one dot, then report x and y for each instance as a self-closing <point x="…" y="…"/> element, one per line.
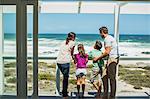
<point x="129" y="45"/>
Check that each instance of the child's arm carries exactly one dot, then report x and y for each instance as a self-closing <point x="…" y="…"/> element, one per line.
<point x="101" y="62"/>
<point x="90" y="57"/>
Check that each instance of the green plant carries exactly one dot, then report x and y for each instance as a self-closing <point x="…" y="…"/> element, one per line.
<point x="137" y="78"/>
<point x="44" y="76"/>
<point x="72" y="81"/>
<point x="11" y="80"/>
<point x="51" y="66"/>
<point x="9" y="65"/>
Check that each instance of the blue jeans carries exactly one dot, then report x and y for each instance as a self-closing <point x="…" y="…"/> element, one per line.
<point x="64" y="68"/>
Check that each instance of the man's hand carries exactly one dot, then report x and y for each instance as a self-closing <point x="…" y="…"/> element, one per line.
<point x="107" y="51"/>
<point x="95" y="59"/>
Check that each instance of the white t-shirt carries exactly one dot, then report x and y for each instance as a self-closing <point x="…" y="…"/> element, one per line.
<point x="64" y="55"/>
<point x="109" y="41"/>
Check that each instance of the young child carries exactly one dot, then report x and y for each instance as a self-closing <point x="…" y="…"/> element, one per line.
<point x="81" y="60"/>
<point x="97" y="67"/>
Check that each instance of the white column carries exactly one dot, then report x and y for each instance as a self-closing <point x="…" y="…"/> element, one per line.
<point x="116" y="35"/>
<point x="1" y="52"/>
<point x="116" y="16"/>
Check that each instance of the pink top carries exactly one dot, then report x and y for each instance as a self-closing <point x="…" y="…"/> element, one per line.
<point x="81" y="61"/>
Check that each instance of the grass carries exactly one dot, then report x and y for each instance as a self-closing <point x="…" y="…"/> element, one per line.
<point x="72" y="81"/>
<point x="30" y="67"/>
<point x="51" y="66"/>
<point x="42" y="64"/>
<point x="46" y="76"/>
<point x="137" y="78"/>
<point x="9" y="65"/>
<point x="9" y="72"/>
<point x="11" y="80"/>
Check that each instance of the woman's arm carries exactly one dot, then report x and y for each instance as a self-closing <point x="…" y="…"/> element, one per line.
<point x="72" y="51"/>
<point x="74" y="58"/>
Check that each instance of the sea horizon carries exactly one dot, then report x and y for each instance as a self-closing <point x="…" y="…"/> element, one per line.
<point x="84" y="33"/>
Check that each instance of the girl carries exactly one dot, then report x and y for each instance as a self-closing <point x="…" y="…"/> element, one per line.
<point x="97" y="67"/>
<point x="64" y="58"/>
<point x="81" y="60"/>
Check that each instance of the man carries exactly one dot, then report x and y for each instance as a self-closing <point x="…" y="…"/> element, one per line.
<point x="111" y="50"/>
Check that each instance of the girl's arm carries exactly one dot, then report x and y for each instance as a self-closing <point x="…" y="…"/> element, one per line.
<point x="86" y="58"/>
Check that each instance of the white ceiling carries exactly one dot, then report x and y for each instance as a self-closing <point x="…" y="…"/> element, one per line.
<point x="86" y="7"/>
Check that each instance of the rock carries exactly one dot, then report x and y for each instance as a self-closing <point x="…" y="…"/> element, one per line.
<point x="142" y="64"/>
<point x="145" y="52"/>
<point x="137" y="87"/>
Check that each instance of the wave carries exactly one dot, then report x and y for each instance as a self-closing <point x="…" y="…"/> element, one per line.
<point x="50" y="47"/>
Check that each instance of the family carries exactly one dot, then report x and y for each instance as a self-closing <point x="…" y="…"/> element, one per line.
<point x="99" y="76"/>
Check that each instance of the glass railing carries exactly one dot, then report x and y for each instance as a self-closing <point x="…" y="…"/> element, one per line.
<point x="133" y="76"/>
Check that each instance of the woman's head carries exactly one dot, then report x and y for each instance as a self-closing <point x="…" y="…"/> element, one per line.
<point x="71" y="36"/>
<point x="81" y="49"/>
<point x="98" y="45"/>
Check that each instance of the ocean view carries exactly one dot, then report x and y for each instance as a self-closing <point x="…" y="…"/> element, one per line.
<point x="129" y="45"/>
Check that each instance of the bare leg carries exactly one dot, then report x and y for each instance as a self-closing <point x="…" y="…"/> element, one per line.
<point x="83" y="85"/>
<point x="78" y="86"/>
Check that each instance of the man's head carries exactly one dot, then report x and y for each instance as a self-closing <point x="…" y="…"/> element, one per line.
<point x="103" y="31"/>
<point x="71" y="36"/>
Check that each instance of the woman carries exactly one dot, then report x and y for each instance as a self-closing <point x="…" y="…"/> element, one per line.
<point x="64" y="58"/>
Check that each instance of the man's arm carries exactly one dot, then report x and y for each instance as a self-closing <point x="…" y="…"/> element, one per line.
<point x="107" y="51"/>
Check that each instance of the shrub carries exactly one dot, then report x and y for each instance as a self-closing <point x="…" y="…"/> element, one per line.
<point x="9" y="65"/>
<point x="11" y="80"/>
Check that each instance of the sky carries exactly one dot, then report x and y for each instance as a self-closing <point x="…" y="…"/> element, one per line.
<point x="82" y="23"/>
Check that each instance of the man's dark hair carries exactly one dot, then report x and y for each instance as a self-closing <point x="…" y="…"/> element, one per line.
<point x="104" y="29"/>
<point x="70" y="35"/>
